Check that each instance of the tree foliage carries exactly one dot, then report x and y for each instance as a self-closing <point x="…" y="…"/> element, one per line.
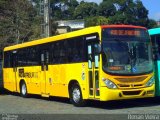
<point x="85" y="9"/>
<point x="97" y="20"/>
<point x="63" y="9"/>
<point x="116" y="11"/>
<point x="106" y="9"/>
<point x="130" y="12"/>
<point x="18" y="22"/>
<point x="152" y="24"/>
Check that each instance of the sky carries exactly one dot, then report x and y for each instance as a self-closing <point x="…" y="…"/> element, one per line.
<point x="153" y="7"/>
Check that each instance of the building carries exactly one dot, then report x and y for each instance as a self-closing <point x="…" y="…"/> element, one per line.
<point x="69" y="25"/>
<point x="158" y="23"/>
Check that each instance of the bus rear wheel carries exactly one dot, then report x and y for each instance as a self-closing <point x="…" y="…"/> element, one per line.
<point x="23" y="90"/>
<point x="76" y="96"/>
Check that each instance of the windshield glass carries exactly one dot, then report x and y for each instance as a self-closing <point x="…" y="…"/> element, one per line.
<point x="126" y="55"/>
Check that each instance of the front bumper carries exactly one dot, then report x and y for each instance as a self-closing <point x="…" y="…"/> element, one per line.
<point x="119" y="94"/>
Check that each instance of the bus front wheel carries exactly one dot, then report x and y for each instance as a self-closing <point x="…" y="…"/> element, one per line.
<point x="23" y="90"/>
<point x="76" y="96"/>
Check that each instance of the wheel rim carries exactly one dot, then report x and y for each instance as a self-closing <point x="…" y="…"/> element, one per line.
<point x="76" y="95"/>
<point x="24" y="89"/>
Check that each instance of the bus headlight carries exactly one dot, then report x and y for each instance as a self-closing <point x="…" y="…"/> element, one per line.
<point x="150" y="82"/>
<point x="109" y="84"/>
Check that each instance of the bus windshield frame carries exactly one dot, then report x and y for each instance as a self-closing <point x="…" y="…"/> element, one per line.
<point x="126" y="51"/>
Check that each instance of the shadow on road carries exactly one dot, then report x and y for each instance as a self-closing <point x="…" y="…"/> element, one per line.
<point x="4" y="91"/>
<point x="122" y="104"/>
<point x="111" y="105"/>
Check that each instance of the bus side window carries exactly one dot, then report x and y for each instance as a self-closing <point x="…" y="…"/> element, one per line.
<point x="156" y="46"/>
<point x="8" y="62"/>
<point x="57" y="52"/>
<point x="63" y="53"/>
<point x="76" y="56"/>
<point x="71" y="50"/>
<point x="52" y="54"/>
<point x="75" y="49"/>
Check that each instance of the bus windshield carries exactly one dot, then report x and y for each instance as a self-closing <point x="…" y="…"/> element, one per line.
<point x="125" y="53"/>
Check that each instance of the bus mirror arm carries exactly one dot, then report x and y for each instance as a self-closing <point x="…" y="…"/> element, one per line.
<point x="156" y="54"/>
<point x="99" y="49"/>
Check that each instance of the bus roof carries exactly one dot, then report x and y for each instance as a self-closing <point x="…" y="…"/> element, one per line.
<point x="121" y="26"/>
<point x="154" y="31"/>
<point x="84" y="31"/>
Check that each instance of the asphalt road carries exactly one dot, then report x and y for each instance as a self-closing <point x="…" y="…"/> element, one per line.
<point x="14" y="104"/>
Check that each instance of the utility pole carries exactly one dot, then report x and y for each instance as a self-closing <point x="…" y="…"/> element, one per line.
<point x="47" y="17"/>
<point x="45" y="12"/>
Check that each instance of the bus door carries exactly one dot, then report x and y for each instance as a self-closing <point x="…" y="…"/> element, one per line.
<point x="15" y="73"/>
<point x="156" y="49"/>
<point x="44" y="72"/>
<point x="93" y="69"/>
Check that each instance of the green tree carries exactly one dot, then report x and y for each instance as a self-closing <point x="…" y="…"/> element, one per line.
<point x="85" y="9"/>
<point x="106" y="8"/>
<point x="152" y="24"/>
<point x="94" y="21"/>
<point x="141" y="14"/>
<point x="129" y="12"/>
<point x="116" y="11"/>
<point x="63" y="9"/>
<point x="71" y="7"/>
<point x="126" y="12"/>
<point x="18" y="21"/>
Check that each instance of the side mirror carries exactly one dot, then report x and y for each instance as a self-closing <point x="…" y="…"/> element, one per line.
<point x="98" y="48"/>
<point x="156" y="54"/>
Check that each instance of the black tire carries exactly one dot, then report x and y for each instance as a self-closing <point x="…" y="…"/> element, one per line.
<point x="23" y="90"/>
<point x="76" y="96"/>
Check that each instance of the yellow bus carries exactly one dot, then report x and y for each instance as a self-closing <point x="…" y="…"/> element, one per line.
<point x="109" y="62"/>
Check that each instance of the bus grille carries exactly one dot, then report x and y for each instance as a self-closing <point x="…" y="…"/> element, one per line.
<point x="131" y="92"/>
<point x="129" y="85"/>
<point x="131" y="80"/>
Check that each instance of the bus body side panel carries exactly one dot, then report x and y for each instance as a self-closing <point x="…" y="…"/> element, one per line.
<point x="9" y="79"/>
<point x="57" y="80"/>
<point x="32" y="77"/>
<point x="155" y="37"/>
<point x="79" y="72"/>
<point x="157" y="76"/>
<point x="61" y="75"/>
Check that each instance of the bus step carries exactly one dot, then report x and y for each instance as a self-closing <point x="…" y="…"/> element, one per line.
<point x="45" y="95"/>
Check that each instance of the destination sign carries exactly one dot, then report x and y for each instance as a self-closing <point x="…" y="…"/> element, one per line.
<point x="125" y="32"/>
